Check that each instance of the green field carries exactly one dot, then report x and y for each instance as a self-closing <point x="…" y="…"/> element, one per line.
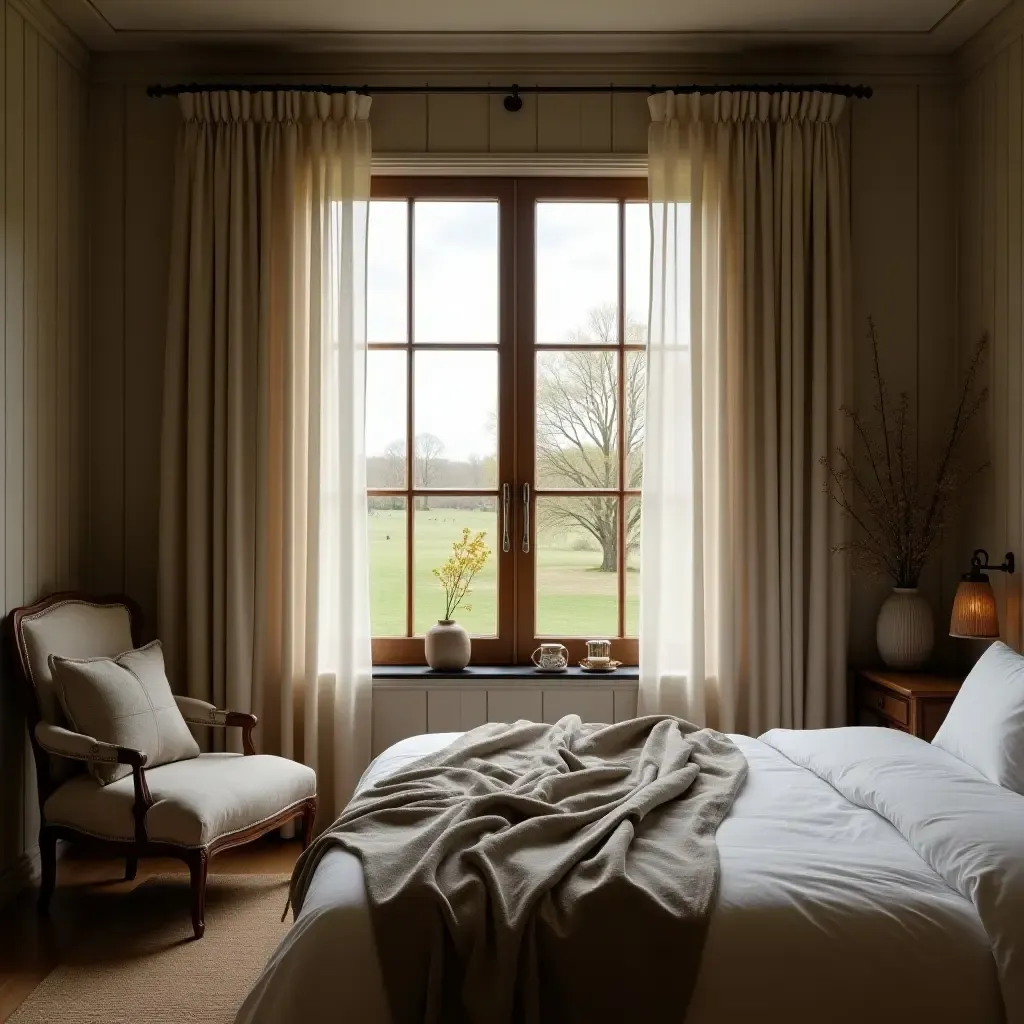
<point x="575" y="599"/>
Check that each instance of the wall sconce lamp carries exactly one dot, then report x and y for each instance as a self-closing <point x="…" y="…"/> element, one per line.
<point x="975" y="616"/>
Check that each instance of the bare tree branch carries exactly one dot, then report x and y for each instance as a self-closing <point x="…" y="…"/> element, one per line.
<point x="577" y="434"/>
<point x="901" y="513"/>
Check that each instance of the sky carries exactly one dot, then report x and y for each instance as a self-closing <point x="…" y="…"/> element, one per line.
<point x="456" y="302"/>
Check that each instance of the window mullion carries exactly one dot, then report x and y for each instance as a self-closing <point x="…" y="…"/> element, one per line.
<point x="410" y="441"/>
<point x="525" y="419"/>
<point x="620" y="514"/>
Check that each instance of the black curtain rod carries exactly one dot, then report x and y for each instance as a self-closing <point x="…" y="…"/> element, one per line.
<point x="512" y="93"/>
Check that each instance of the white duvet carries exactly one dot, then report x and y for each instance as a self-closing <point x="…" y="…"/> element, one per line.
<point x="866" y="876"/>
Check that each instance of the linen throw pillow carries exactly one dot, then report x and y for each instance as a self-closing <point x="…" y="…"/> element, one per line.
<point x="126" y="701"/>
<point x="985" y="725"/>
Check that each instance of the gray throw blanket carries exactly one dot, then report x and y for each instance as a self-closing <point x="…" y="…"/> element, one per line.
<point x="535" y="872"/>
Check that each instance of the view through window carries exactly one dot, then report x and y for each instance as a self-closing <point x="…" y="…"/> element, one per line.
<point x="506" y="323"/>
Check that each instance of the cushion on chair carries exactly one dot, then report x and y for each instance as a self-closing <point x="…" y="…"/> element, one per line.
<point x="71" y="629"/>
<point x="126" y="701"/>
<point x="195" y="801"/>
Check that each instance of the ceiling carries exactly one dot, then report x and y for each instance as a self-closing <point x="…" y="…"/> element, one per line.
<point x="933" y="25"/>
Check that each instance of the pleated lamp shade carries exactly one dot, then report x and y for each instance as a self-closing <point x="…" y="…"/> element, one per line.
<point x="975" y="616"/>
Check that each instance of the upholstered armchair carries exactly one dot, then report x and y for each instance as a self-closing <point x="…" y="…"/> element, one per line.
<point x="189" y="809"/>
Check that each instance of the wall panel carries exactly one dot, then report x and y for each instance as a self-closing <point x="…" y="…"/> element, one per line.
<point x="43" y="401"/>
<point x="402" y="708"/>
<point x="148" y="195"/>
<point x="399" y="124"/>
<point x="884" y="169"/>
<point x="108" y="294"/>
<point x="510" y="705"/>
<point x="14" y="308"/>
<point x="991" y="234"/>
<point x="455" y="710"/>
<point x="513" y="134"/>
<point x="46" y="379"/>
<point x="591" y="705"/>
<point x="32" y="284"/>
<point x="458" y="124"/>
<point x="397" y="714"/>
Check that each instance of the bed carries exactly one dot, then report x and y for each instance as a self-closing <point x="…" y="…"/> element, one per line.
<point x="865" y="875"/>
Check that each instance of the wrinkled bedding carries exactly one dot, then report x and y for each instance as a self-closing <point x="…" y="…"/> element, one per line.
<point x="865" y="876"/>
<point x="494" y="867"/>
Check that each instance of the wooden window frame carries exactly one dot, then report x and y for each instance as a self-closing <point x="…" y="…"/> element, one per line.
<point x="516" y="635"/>
<point x="499" y="649"/>
<point x="529" y="193"/>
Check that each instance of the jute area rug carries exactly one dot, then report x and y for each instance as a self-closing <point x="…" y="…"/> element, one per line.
<point x="140" y="964"/>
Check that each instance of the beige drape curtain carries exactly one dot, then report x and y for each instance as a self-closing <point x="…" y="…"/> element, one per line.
<point x="743" y="604"/>
<point x="263" y="599"/>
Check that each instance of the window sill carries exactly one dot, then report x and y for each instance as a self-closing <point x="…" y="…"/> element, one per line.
<point x="406" y="676"/>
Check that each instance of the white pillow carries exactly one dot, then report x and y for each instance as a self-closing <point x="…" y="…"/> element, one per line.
<point x="985" y="725"/>
<point x="126" y="701"/>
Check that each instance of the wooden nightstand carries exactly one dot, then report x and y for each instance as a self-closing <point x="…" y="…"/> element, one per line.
<point x="912" y="702"/>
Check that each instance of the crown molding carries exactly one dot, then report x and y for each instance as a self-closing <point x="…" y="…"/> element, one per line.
<point x="1002" y="31"/>
<point x="964" y="17"/>
<point x="54" y="31"/>
<point x="942" y="39"/>
<point x="934" y="40"/>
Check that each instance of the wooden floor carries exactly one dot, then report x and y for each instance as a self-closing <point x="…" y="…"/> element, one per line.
<point x="31" y="946"/>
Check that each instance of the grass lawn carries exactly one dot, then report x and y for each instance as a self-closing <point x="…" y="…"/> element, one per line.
<point x="575" y="599"/>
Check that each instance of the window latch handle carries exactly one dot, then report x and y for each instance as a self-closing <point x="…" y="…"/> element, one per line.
<point x="506" y="542"/>
<point x="526" y="519"/>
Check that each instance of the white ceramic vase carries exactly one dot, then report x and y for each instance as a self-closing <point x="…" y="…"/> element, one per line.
<point x="906" y="630"/>
<point x="447" y="646"/>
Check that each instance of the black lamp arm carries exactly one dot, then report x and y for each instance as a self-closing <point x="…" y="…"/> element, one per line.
<point x="980" y="565"/>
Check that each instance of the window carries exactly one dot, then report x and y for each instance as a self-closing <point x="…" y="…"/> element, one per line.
<point x="507" y="323"/>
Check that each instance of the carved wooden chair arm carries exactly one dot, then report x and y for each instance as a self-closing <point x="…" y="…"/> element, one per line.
<point x="78" y="747"/>
<point x="199" y="712"/>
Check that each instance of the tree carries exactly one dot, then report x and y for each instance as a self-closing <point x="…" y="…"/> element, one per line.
<point x="394" y="469"/>
<point x="429" y="449"/>
<point x="578" y="432"/>
<point x="394" y="463"/>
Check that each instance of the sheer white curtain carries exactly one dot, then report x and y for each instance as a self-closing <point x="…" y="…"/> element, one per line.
<point x="263" y="601"/>
<point x="343" y="619"/>
<point x="743" y="605"/>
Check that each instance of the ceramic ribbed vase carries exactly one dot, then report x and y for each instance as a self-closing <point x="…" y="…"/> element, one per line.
<point x="447" y="646"/>
<point x="906" y="630"/>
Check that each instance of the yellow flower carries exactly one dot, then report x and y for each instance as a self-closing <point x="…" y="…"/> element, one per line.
<point x="469" y="555"/>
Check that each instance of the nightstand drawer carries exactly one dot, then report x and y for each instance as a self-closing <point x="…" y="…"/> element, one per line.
<point x="887" y="704"/>
<point x="913" y="702"/>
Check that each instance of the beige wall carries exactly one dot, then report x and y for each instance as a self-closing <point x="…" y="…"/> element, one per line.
<point x="43" y="400"/>
<point x="991" y="283"/>
<point x="904" y="260"/>
<point x="904" y="243"/>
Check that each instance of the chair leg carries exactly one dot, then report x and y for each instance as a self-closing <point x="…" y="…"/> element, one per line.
<point x="308" y="817"/>
<point x="197" y="862"/>
<point x="131" y="867"/>
<point x="48" y="865"/>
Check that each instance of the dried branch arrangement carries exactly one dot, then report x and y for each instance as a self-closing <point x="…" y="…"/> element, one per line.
<point x="899" y="507"/>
